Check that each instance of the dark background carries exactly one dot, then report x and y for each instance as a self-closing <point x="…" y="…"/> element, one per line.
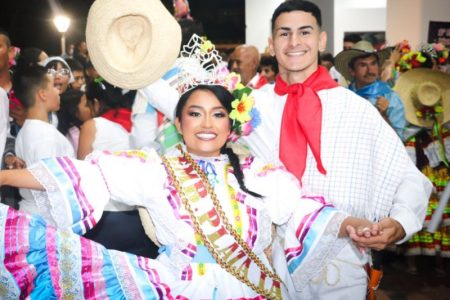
<point x="29" y="22"/>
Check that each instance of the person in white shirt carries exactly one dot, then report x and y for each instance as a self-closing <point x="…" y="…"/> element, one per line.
<point x="37" y="139"/>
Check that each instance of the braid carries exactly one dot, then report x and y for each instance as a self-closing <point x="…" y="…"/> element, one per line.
<point x="234" y="160"/>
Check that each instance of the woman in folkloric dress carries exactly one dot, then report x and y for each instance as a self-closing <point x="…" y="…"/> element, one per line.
<point x="212" y="213"/>
<point x="425" y="93"/>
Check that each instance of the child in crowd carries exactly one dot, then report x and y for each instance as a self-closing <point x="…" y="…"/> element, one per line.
<point x="38" y="139"/>
<point x="69" y="118"/>
<point x="269" y="67"/>
<point x="79" y="79"/>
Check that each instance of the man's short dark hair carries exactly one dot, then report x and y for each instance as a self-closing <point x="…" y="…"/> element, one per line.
<point x="326" y="56"/>
<point x="268" y="60"/>
<point x="74" y="64"/>
<point x="27" y="81"/>
<point x="352" y="37"/>
<point x="297" y="5"/>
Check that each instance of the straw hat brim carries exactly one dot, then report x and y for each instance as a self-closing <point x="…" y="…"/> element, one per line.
<point x="343" y="58"/>
<point x="132" y="43"/>
<point x="406" y="84"/>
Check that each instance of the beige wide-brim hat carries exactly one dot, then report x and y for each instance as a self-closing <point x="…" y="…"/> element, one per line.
<point x="424" y="87"/>
<point x="361" y="48"/>
<point x="132" y="43"/>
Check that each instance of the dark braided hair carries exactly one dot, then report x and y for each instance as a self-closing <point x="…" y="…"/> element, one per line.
<point x="237" y="171"/>
<point x="225" y="98"/>
<point x="109" y="96"/>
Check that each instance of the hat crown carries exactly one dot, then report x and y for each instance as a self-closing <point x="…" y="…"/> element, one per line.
<point x="427" y="93"/>
<point x="364" y="46"/>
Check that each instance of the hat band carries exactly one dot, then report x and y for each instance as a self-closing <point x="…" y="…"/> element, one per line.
<point x="430" y="113"/>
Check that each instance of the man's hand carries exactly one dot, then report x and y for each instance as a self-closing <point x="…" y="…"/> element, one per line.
<point x="13" y="162"/>
<point x="382" y="105"/>
<point x="391" y="232"/>
<point x="19" y="114"/>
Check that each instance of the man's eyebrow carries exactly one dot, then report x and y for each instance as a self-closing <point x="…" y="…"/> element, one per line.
<point x="290" y="29"/>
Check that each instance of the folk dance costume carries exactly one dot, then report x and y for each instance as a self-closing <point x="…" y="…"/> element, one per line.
<point x="209" y="228"/>
<point x="368" y="175"/>
<point x="120" y="226"/>
<point x="368" y="172"/>
<point x="425" y="94"/>
<point x="425" y="149"/>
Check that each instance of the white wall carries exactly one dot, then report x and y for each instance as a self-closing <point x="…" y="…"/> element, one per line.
<point x="357" y="16"/>
<point x="409" y="19"/>
<point x="404" y="24"/>
<point x="257" y="19"/>
<point x="327" y="10"/>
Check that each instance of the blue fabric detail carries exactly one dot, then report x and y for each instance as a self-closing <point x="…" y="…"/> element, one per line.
<point x="37" y="256"/>
<point x="112" y="284"/>
<point x="171" y="73"/>
<point x="203" y="256"/>
<point x="395" y="111"/>
<point x="209" y="170"/>
<point x="150" y="109"/>
<point x="164" y="249"/>
<point x="312" y="235"/>
<point x="372" y="91"/>
<point x="66" y="187"/>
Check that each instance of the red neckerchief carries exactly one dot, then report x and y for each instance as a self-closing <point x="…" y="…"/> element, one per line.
<point x="301" y="124"/>
<point x="13" y="100"/>
<point x="261" y="81"/>
<point x="120" y="116"/>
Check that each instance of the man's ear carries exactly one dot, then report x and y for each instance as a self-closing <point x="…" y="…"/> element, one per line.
<point x="11" y="52"/>
<point x="322" y="41"/>
<point x="352" y="72"/>
<point x="270" y="43"/>
<point x="41" y="95"/>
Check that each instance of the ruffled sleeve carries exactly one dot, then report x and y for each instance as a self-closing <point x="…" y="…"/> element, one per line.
<point x="76" y="192"/>
<point x="38" y="261"/>
<point x="308" y="226"/>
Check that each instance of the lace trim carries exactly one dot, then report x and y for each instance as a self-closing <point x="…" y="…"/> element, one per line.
<point x="320" y="257"/>
<point x="53" y="214"/>
<point x="264" y="236"/>
<point x="8" y="287"/>
<point x="126" y="282"/>
<point x="69" y="264"/>
<point x="177" y="261"/>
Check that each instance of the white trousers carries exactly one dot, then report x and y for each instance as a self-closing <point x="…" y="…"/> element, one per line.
<point x="343" y="278"/>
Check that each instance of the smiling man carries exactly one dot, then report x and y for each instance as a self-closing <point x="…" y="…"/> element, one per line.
<point x="338" y="146"/>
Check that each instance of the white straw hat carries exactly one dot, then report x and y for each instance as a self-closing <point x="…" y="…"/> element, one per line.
<point x="360" y="49"/>
<point x="423" y="90"/>
<point x="132" y="43"/>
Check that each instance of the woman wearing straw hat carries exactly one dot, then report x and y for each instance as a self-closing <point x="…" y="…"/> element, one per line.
<point x="426" y="96"/>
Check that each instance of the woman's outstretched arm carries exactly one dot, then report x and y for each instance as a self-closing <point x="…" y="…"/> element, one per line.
<point x="20" y="178"/>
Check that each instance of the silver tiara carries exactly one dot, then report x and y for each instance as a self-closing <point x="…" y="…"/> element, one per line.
<point x="199" y="63"/>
